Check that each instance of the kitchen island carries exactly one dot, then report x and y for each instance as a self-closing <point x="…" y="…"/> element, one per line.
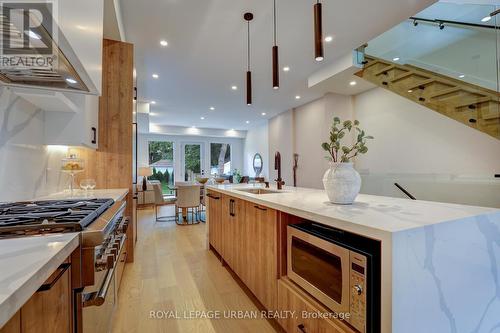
<point x="439" y="262"/>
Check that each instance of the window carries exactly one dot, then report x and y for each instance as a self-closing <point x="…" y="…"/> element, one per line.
<point x="161" y="159"/>
<point x="220" y="158"/>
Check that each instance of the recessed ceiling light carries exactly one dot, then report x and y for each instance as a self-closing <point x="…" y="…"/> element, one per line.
<point x="461" y="76"/>
<point x="248" y="121"/>
<point x="71" y="80"/>
<point x="155" y="76"/>
<point x="353" y="83"/>
<point x="286" y="69"/>
<point x="234" y="88"/>
<point x="263" y="113"/>
<point x="328" y="39"/>
<point x="486" y="18"/>
<point x="395" y="59"/>
<point x="410" y="91"/>
<point x="297" y="97"/>
<point x="153" y="102"/>
<point x="202" y="118"/>
<point x="163" y="43"/>
<point x="212" y="108"/>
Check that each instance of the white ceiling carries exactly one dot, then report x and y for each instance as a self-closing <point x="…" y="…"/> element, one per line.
<point x="206" y="54"/>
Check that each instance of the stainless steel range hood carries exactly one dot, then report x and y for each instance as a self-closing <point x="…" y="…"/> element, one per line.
<point x="24" y="60"/>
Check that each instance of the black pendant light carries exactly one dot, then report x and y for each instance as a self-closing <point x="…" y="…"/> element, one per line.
<point x="318" y="32"/>
<point x="276" y="72"/>
<point x="248" y="17"/>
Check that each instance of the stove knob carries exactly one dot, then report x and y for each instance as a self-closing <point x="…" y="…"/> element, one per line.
<point x="358" y="289"/>
<point x="105" y="263"/>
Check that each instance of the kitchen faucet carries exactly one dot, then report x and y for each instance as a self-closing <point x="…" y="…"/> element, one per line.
<point x="277" y="166"/>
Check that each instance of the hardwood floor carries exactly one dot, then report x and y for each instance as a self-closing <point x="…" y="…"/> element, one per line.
<point x="173" y="271"/>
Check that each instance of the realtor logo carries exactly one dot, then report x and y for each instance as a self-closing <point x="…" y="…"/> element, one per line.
<point x="27" y="34"/>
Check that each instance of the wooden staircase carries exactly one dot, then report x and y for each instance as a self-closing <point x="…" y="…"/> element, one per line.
<point x="467" y="103"/>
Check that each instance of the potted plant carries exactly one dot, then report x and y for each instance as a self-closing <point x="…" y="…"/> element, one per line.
<point x="341" y="181"/>
<point x="236" y="176"/>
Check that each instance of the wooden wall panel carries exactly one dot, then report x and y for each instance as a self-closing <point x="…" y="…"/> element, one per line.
<point x="111" y="164"/>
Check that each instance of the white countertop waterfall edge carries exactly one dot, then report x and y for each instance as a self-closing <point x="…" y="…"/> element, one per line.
<point x="440" y="262"/>
<point x="117" y="194"/>
<point x="26" y="263"/>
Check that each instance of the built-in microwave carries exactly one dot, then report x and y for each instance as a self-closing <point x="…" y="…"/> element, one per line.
<point x="339" y="269"/>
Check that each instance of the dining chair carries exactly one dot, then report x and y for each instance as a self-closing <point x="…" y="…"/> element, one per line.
<point x="163" y="200"/>
<point x="188" y="199"/>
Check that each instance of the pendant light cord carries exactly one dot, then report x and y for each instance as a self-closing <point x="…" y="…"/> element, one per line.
<point x="248" y="45"/>
<point x="274" y="14"/>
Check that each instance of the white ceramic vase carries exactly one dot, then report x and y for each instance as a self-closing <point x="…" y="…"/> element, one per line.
<point x="342" y="183"/>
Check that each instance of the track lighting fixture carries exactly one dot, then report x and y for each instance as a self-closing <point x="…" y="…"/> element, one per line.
<point x="318" y="32"/>
<point x="248" y="17"/>
<point x="276" y="71"/>
<point x="415" y="23"/>
<point x="441" y="25"/>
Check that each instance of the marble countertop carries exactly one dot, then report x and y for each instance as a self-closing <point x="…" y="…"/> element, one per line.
<point x="26" y="263"/>
<point x="369" y="215"/>
<point x="115" y="194"/>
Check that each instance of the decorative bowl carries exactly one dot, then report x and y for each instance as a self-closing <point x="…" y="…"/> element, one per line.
<point x="202" y="180"/>
<point x="220" y="180"/>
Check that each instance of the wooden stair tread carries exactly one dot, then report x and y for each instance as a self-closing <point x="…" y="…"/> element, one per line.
<point x="446" y="95"/>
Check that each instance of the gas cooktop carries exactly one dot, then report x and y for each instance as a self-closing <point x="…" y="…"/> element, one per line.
<point x="36" y="217"/>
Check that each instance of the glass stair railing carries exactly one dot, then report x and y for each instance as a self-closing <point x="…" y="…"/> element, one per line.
<point x="443" y="59"/>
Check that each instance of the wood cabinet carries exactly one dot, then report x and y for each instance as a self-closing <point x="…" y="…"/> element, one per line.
<point x="260" y="233"/>
<point x="215" y="220"/>
<point x="308" y="315"/>
<point x="49" y="309"/>
<point x="233" y="212"/>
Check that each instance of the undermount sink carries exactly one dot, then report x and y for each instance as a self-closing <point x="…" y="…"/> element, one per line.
<point x="259" y="191"/>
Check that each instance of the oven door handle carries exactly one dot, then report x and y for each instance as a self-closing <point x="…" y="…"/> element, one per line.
<point x="98" y="298"/>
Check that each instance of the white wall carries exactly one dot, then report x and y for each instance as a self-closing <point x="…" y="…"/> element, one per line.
<point x="28" y="169"/>
<point x="410" y="138"/>
<point x="143" y="150"/>
<point x="257" y="141"/>
<point x="281" y="139"/>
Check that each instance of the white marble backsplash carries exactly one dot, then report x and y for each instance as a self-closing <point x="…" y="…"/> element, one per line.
<point x="28" y="168"/>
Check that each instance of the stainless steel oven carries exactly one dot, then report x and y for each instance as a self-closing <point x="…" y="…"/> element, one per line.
<point x="106" y="240"/>
<point x="335" y="268"/>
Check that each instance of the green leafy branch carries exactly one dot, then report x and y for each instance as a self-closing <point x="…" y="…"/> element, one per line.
<point x="337" y="133"/>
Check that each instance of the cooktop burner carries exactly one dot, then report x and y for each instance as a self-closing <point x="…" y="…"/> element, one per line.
<point x="24" y="218"/>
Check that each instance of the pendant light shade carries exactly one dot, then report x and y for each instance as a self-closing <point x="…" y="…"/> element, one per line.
<point x="318" y="32"/>
<point x="248" y="17"/>
<point x="249" y="88"/>
<point x="276" y="66"/>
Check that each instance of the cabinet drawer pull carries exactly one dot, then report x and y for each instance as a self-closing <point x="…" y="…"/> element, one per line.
<point x="302" y="328"/>
<point x="62" y="269"/>
<point x="94" y="137"/>
<point x="231" y="208"/>
<point x="260" y="208"/>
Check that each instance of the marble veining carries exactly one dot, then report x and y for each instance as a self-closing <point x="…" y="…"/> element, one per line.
<point x="25" y="264"/>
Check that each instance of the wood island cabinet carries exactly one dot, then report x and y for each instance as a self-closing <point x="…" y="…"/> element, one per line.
<point x="251" y="240"/>
<point x="215" y="221"/>
<point x="261" y="253"/>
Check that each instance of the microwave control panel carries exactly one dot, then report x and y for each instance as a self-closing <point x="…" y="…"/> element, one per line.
<point x="358" y="267"/>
